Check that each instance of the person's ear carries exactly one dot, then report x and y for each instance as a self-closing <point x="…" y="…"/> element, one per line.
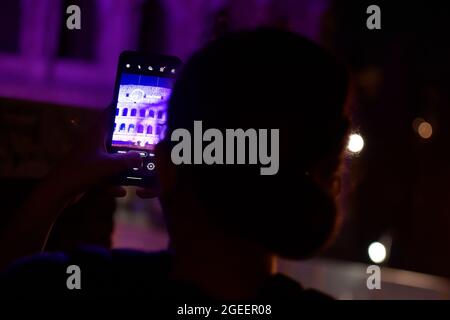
<point x="165" y="168"/>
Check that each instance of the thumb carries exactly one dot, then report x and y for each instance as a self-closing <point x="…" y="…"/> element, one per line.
<point x="112" y="164"/>
<point x="78" y="176"/>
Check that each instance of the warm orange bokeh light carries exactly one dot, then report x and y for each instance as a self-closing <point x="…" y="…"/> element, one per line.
<point x="425" y="130"/>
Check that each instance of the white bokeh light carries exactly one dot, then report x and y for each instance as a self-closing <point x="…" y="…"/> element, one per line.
<point x="355" y="143"/>
<point x="377" y="252"/>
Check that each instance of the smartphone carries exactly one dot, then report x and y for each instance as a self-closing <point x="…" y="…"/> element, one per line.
<point x="139" y="111"/>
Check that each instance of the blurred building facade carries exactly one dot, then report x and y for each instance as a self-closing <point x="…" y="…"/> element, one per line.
<point x="42" y="60"/>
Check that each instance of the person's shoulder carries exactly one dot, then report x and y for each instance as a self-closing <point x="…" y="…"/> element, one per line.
<point x="138" y="272"/>
<point x="101" y="271"/>
<point x="34" y="274"/>
<point x="282" y="288"/>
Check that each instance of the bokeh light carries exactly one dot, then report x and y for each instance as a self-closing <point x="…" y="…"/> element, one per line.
<point x="425" y="130"/>
<point x="377" y="252"/>
<point x="355" y="143"/>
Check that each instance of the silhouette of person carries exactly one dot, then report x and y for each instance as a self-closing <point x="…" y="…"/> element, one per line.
<point x="227" y="223"/>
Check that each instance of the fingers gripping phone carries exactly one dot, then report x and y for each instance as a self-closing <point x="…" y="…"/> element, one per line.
<point x="139" y="110"/>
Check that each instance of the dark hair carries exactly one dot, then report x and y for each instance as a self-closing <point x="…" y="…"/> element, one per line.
<point x="276" y="80"/>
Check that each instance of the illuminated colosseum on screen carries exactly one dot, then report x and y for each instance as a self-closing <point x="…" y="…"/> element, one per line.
<point x="141" y="116"/>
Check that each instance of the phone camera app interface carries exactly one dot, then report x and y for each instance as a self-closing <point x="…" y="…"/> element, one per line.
<point x="141" y="112"/>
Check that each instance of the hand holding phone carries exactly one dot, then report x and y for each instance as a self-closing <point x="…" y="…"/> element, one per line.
<point x="139" y="115"/>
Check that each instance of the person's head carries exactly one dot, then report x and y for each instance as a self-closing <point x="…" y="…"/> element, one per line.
<point x="264" y="79"/>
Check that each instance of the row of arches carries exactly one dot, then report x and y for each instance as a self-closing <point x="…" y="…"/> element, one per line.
<point x="137" y="129"/>
<point x="142" y="113"/>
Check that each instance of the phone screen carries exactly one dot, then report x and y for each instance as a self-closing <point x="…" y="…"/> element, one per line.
<point x="141" y="111"/>
<point x="143" y="88"/>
